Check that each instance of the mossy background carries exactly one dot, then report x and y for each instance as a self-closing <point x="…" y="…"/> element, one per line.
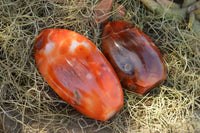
<point x="28" y="104"/>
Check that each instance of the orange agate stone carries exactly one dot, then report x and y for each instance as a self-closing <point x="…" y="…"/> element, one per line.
<point x="136" y="59"/>
<point x="79" y="73"/>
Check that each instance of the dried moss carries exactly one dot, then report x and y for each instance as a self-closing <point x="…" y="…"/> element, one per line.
<point x="28" y="104"/>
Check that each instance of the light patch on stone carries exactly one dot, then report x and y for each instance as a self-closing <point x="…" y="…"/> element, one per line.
<point x="41" y="51"/>
<point x="152" y="44"/>
<point x="117" y="45"/>
<point x="98" y="73"/>
<point x="110" y="114"/>
<point x="107" y="69"/>
<point x="40" y="60"/>
<point x="75" y="44"/>
<point x="89" y="76"/>
<point x="99" y="50"/>
<point x="69" y="62"/>
<point x="49" y="47"/>
<point x="89" y="102"/>
<point x="73" y="59"/>
<point x="77" y="97"/>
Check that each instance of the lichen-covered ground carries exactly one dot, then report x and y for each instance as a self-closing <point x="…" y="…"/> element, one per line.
<point x="28" y="104"/>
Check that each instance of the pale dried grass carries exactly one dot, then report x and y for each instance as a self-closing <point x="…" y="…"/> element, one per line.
<point x="28" y="104"/>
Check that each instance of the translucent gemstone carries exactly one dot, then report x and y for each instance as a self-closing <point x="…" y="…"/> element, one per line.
<point x="79" y="73"/>
<point x="136" y="60"/>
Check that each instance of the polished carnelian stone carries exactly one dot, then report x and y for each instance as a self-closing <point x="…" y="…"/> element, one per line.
<point x="135" y="58"/>
<point x="79" y="73"/>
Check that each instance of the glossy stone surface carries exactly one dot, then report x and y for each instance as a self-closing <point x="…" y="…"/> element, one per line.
<point x="79" y="73"/>
<point x="135" y="58"/>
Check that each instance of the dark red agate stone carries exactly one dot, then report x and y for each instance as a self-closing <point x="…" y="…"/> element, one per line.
<point x="135" y="58"/>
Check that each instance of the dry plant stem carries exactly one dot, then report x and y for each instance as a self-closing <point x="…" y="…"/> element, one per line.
<point x="119" y="12"/>
<point x="168" y="4"/>
<point x="178" y="14"/>
<point x="194" y="24"/>
<point x="191" y="20"/>
<point x="56" y="1"/>
<point x="194" y="17"/>
<point x="62" y="1"/>
<point x="197" y="14"/>
<point x="188" y="2"/>
<point x="193" y="7"/>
